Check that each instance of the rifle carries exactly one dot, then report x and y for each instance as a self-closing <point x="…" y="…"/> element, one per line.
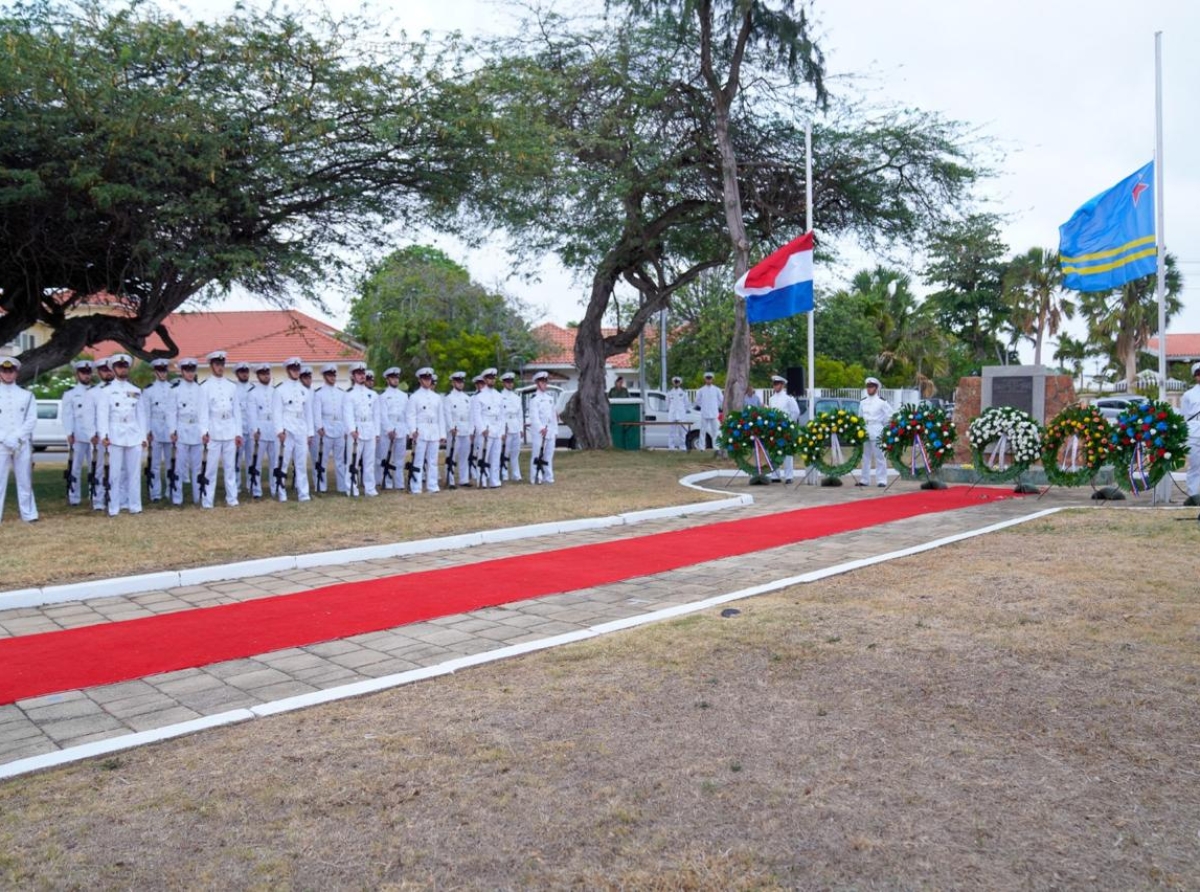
<point x="352" y="490"/>
<point x="319" y="464"/>
<point x="388" y="467"/>
<point x="470" y="459"/>
<point x="503" y="453"/>
<point x="410" y="466"/>
<point x="253" y="472"/>
<point x="539" y="462"/>
<point x="149" y="472"/>
<point x="482" y="464"/>
<point x="202" y="477"/>
<point x="451" y="464"/>
<point x="93" y="474"/>
<point x="172" y="477"/>
<point x="68" y="475"/>
<point x="107" y="481"/>
<point x="280" y="474"/>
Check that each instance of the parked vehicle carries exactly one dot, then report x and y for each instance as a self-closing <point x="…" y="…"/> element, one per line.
<point x="565" y="438"/>
<point x="658" y="436"/>
<point x="827" y="404"/>
<point x="49" y="430"/>
<point x="1111" y="407"/>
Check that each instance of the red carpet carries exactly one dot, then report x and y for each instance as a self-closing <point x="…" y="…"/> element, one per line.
<point x="79" y="658"/>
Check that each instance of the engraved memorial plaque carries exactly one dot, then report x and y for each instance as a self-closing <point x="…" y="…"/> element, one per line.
<point x="1015" y="391"/>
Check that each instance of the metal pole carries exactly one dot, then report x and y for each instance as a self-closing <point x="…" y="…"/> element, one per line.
<point x="1163" y="491"/>
<point x="662" y="350"/>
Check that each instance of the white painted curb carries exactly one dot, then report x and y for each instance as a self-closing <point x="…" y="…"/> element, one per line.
<point x="373" y="685"/>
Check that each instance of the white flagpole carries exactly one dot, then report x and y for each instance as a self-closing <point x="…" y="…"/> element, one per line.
<point x="1162" y="493"/>
<point x="808" y="224"/>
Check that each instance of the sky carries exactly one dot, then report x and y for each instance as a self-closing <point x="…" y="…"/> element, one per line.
<point x="1062" y="90"/>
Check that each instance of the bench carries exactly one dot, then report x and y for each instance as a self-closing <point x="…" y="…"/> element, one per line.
<point x="626" y="426"/>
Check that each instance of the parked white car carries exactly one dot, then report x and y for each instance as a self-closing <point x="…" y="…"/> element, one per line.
<point x="48" y="432"/>
<point x="654" y="408"/>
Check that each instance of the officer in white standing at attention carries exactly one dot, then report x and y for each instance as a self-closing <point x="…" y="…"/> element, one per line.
<point x="456" y="408"/>
<point x="292" y="418"/>
<point x="361" y="417"/>
<point x="709" y="400"/>
<point x="785" y="403"/>
<point x="425" y="422"/>
<point x="223" y="436"/>
<point x="677" y="406"/>
<point x="543" y="431"/>
<point x="875" y="412"/>
<point x="78" y="420"/>
<point x="241" y="374"/>
<point x="262" y="434"/>
<point x="158" y="397"/>
<point x="123" y="428"/>
<point x="514" y="426"/>
<point x="488" y="421"/>
<point x="18" y="418"/>
<point x="329" y="405"/>
<point x="187" y="430"/>
<point x="1189" y="405"/>
<point x="393" y="435"/>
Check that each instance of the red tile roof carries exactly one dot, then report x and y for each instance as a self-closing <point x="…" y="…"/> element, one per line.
<point x="251" y="336"/>
<point x="560" y="347"/>
<point x="1179" y="346"/>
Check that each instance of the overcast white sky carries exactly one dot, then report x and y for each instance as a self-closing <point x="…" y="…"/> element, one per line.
<point x="1064" y="88"/>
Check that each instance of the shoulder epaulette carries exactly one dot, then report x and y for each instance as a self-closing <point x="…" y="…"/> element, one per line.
<point x="280" y="384"/>
<point x="176" y="382"/>
<point x="350" y="388"/>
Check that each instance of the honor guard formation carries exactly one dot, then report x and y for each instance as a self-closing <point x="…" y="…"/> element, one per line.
<point x="265" y="437"/>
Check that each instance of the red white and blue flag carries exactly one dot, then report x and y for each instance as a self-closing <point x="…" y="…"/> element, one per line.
<point x="781" y="284"/>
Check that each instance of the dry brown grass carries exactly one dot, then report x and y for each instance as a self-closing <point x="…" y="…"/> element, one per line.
<point x="1016" y="711"/>
<point x="72" y="544"/>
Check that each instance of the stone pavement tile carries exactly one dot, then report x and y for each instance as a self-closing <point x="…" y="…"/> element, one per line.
<point x="70" y="709"/>
<point x="33" y="625"/>
<point x="11" y="713"/>
<point x="235" y="588"/>
<point x="131" y="707"/>
<point x="169" y="607"/>
<point x="283" y="690"/>
<point x="398" y="640"/>
<point x="151" y="598"/>
<point x="358" y="659"/>
<point x="26" y="748"/>
<point x="229" y="668"/>
<point x="531" y="616"/>
<point x="122" y="690"/>
<point x="332" y="648"/>
<point x="388" y="667"/>
<point x="327" y="676"/>
<point x="65" y="731"/>
<point x="470" y="625"/>
<point x="439" y="636"/>
<point x="200" y="599"/>
<point x="292" y="662"/>
<point x="372" y="639"/>
<point x="173" y="675"/>
<point x="218" y="699"/>
<point x="201" y="681"/>
<point x="182" y="591"/>
<point x="505" y="634"/>
<point x="424" y="654"/>
<point x="71" y="608"/>
<point x="48" y="699"/>
<point x="259" y="678"/>
<point x="16" y="733"/>
<point x="20" y="613"/>
<point x="161" y="718"/>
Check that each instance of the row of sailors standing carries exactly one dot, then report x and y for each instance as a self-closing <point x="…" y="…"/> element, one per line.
<point x="191" y="429"/>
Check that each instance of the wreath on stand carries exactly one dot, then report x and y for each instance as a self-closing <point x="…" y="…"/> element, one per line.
<point x="1075" y="444"/>
<point x="758" y="439"/>
<point x="1148" y="442"/>
<point x="917" y="441"/>
<point x="1003" y="433"/>
<point x="833" y="442"/>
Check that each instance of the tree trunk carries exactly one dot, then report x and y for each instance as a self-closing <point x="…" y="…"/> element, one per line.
<point x="590" y="413"/>
<point x="737" y="376"/>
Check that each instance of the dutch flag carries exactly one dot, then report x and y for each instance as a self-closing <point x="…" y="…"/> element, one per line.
<point x="781" y="284"/>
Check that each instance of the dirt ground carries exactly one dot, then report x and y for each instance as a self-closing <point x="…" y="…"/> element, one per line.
<point x="1018" y="711"/>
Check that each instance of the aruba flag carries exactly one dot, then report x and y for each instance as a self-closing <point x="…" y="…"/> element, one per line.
<point x="781" y="284"/>
<point x="1110" y="240"/>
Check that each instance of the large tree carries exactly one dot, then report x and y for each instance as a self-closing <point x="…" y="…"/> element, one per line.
<point x="158" y="160"/>
<point x="1037" y="303"/>
<point x="419" y="307"/>
<point x="604" y="156"/>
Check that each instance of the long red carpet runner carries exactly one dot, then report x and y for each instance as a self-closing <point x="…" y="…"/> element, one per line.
<point x="104" y="654"/>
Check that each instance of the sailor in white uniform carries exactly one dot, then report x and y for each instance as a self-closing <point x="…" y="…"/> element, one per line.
<point x="361" y="418"/>
<point x="785" y="403"/>
<point x="223" y="434"/>
<point x="709" y="400"/>
<point x="543" y="430"/>
<point x="158" y="397"/>
<point x="292" y="419"/>
<point x="875" y="411"/>
<point x="456" y="408"/>
<point x="329" y="404"/>
<point x="487" y="411"/>
<point x="79" y="424"/>
<point x="18" y="418"/>
<point x="123" y="427"/>
<point x="677" y="407"/>
<point x="425" y="423"/>
<point x="514" y="427"/>
<point x="393" y="435"/>
<point x="187" y="431"/>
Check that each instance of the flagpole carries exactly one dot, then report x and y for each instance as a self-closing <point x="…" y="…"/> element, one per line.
<point x="808" y="224"/>
<point x="1160" y="231"/>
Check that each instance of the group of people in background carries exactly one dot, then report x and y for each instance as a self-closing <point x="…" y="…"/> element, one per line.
<point x="265" y="437"/>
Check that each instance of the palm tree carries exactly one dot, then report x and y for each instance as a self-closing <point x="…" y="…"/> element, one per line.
<point x="1071" y="354"/>
<point x="1033" y="290"/>
<point x="1121" y="322"/>
<point x="910" y="338"/>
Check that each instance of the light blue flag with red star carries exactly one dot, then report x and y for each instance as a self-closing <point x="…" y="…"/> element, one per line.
<point x="1110" y="240"/>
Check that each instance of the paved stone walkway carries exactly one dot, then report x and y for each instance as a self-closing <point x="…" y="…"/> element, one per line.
<point x="44" y="724"/>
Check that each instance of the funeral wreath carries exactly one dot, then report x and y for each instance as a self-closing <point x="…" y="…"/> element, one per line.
<point x="758" y="439"/>
<point x="1004" y="442"/>
<point x="833" y="442"/>
<point x="917" y="440"/>
<point x="1074" y="445"/>
<point x="1149" y="440"/>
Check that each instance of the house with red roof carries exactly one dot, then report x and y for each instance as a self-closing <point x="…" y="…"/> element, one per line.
<point x="558" y="357"/>
<point x="1180" y="347"/>
<point x="254" y="336"/>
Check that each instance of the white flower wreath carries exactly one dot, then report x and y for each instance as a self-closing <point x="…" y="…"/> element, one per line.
<point x="1013" y="435"/>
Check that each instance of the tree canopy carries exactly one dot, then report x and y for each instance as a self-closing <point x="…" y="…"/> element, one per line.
<point x="418" y="307"/>
<point x="158" y="159"/>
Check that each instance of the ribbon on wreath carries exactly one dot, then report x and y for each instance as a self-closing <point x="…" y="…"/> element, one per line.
<point x="998" y="453"/>
<point x="761" y="455"/>
<point x="835" y="447"/>
<point x="1139" y="480"/>
<point x="1073" y="453"/>
<point x="919" y="449"/>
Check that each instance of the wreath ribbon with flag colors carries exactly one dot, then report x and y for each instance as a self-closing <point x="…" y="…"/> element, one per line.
<point x="833" y="442"/>
<point x="1148" y="441"/>
<point x="917" y="440"/>
<point x="758" y="438"/>
<point x="1075" y="445"/>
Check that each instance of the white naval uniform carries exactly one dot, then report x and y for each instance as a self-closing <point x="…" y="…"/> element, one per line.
<point x="224" y="416"/>
<point x="158" y="398"/>
<point x="677" y="406"/>
<point x="1189" y="405"/>
<point x="424" y="420"/>
<point x="514" y="427"/>
<point x="327" y="408"/>
<point x="187" y="424"/>
<point x="247" y="450"/>
<point x="121" y="415"/>
<point x="78" y="420"/>
<point x="456" y="410"/>
<point x="260" y="423"/>
<point x="875" y="411"/>
<point x="487" y="417"/>
<point x="292" y="415"/>
<point x="708" y="400"/>
<point x="18" y="418"/>
<point x="786" y="403"/>
<point x="393" y="435"/>
<point x="361" y="416"/>
<point x="543" y="430"/>
<point x="92" y="413"/>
